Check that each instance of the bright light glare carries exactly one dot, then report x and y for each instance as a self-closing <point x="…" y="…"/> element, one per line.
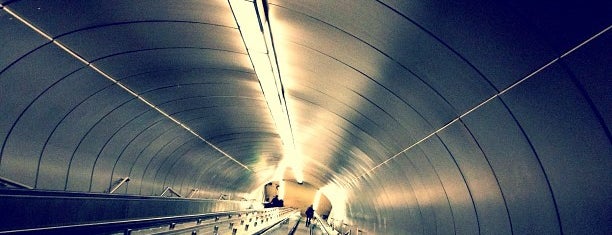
<point x="281" y="189"/>
<point x="338" y="197"/>
<point x="280" y="171"/>
<point x="293" y="163"/>
<point x="258" y="40"/>
<point x="246" y="18"/>
<point x="298" y="171"/>
<point x="317" y="199"/>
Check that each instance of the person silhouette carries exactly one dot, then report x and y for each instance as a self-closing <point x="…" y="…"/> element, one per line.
<point x="309" y="215"/>
<point x="275" y="202"/>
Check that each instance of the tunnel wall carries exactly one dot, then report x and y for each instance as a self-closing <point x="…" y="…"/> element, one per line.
<point x="535" y="160"/>
<point x="371" y="87"/>
<point x="472" y="117"/>
<point x="67" y="126"/>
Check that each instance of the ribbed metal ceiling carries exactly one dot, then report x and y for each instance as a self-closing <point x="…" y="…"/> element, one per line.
<point x="434" y="117"/>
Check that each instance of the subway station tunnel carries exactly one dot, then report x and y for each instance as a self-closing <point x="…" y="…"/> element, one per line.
<point x="411" y="117"/>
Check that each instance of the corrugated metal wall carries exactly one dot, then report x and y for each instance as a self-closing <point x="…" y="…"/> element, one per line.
<point x="436" y="117"/>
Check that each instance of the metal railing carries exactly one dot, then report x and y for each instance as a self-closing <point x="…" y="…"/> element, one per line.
<point x="326" y="228"/>
<point x="232" y="222"/>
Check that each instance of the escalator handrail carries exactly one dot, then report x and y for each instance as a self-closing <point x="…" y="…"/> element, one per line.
<point x="111" y="226"/>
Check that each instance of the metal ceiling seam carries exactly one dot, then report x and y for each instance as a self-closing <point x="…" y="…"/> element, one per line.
<point x="116" y="82"/>
<point x="513" y="85"/>
<point x="143" y="21"/>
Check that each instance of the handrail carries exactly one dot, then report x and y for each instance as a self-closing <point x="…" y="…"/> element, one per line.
<point x="114" y="225"/>
<point x="325" y="226"/>
<point x="57" y="193"/>
<point x="127" y="226"/>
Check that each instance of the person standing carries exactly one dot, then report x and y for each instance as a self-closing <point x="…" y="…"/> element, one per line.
<point x="309" y="215"/>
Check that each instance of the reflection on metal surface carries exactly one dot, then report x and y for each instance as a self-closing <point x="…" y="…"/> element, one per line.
<point x="498" y="94"/>
<point x="124" y="87"/>
<point x="487" y="117"/>
<point x="281" y="189"/>
<point x="338" y="197"/>
<point x="252" y="22"/>
<point x="324" y="94"/>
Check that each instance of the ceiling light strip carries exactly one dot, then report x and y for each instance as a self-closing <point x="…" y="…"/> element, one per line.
<point x="122" y="86"/>
<point x="256" y="35"/>
<point x="485" y="102"/>
<point x="26" y="23"/>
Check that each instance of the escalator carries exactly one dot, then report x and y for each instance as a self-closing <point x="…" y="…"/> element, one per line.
<point x="295" y="225"/>
<point x="53" y="212"/>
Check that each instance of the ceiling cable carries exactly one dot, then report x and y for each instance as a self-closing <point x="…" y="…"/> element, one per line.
<point x="119" y="84"/>
<point x="484" y="102"/>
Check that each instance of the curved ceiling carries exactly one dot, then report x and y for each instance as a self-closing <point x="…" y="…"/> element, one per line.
<point x="432" y="117"/>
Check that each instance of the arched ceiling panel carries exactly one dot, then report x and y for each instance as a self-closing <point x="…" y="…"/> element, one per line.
<point x="182" y="92"/>
<point x="481" y="181"/>
<point x="30" y="84"/>
<point x="524" y="167"/>
<point x="349" y="87"/>
<point x="431" y="193"/>
<point x="131" y="151"/>
<point x="482" y="117"/>
<point x="103" y="175"/>
<point x="489" y="35"/>
<point x="142" y="50"/>
<point x="154" y="164"/>
<point x="71" y="123"/>
<point x="419" y="96"/>
<point x="17" y="40"/>
<point x="589" y="66"/>
<point x="149" y="154"/>
<point x="172" y="58"/>
<point x="359" y="127"/>
<point x="58" y="18"/>
<point x="88" y="150"/>
<point x="156" y="79"/>
<point x="340" y="37"/>
<point x="459" y="199"/>
<point x="570" y="119"/>
<point x="107" y="40"/>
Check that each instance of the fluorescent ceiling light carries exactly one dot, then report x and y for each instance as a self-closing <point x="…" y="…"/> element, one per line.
<point x="258" y="41"/>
